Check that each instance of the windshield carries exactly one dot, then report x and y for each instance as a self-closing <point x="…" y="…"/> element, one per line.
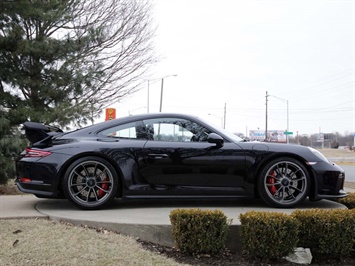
<point x="230" y="135"/>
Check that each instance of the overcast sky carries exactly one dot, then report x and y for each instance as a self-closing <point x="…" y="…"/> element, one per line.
<point x="233" y="51"/>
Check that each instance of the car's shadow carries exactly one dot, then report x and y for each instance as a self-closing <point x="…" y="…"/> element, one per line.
<point x="187" y="203"/>
<point x="243" y="204"/>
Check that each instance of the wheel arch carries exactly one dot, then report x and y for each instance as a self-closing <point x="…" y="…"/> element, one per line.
<point x="65" y="166"/>
<point x="272" y="157"/>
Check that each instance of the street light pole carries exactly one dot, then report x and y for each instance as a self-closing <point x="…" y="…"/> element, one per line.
<point x="161" y="91"/>
<point x="288" y="126"/>
<point x="151" y="81"/>
<point x="161" y="94"/>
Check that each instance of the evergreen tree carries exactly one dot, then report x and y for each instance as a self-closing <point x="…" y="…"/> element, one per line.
<point x="62" y="61"/>
<point x="11" y="144"/>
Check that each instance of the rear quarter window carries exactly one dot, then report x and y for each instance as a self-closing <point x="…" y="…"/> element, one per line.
<point x="133" y="130"/>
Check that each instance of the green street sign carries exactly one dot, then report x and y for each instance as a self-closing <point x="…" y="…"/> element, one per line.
<point x="288" y="133"/>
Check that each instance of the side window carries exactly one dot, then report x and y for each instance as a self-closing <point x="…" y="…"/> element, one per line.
<point x="133" y="130"/>
<point x="174" y="129"/>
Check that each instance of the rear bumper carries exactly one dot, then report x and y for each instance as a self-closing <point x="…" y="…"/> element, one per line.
<point x="37" y="178"/>
<point x="35" y="188"/>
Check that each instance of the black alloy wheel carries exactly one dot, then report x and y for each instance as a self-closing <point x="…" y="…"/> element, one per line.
<point x="90" y="183"/>
<point x="284" y="183"/>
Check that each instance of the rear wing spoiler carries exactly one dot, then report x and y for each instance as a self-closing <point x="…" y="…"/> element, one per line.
<point x="36" y="131"/>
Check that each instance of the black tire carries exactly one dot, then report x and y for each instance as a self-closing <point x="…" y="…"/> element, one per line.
<point x="284" y="183"/>
<point x="90" y="183"/>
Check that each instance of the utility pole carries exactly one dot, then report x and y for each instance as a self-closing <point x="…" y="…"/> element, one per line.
<point x="266" y="117"/>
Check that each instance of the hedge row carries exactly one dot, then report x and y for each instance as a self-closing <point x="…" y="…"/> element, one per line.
<point x="348" y="201"/>
<point x="196" y="231"/>
<point x="270" y="235"/>
<point x="328" y="233"/>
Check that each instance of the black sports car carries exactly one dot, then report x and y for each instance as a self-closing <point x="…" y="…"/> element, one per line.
<point x="169" y="156"/>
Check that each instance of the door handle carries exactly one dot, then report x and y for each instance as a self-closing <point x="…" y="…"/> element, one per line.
<point x="157" y="156"/>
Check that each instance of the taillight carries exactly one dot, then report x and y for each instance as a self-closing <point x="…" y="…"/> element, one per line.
<point x="36" y="153"/>
<point x="25" y="180"/>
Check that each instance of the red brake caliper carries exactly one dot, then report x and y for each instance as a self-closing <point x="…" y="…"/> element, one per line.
<point x="104" y="186"/>
<point x="271" y="180"/>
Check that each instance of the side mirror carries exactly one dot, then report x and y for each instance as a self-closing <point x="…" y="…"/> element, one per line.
<point x="216" y="139"/>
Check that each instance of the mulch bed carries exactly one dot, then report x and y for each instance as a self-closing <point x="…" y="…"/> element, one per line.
<point x="228" y="258"/>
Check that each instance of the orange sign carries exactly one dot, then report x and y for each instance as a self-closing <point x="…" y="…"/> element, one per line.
<point x="110" y="114"/>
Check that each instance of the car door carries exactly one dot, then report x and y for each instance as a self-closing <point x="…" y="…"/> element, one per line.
<point x="179" y="157"/>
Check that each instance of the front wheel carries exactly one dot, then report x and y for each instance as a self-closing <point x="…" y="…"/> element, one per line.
<point x="90" y="183"/>
<point x="284" y="183"/>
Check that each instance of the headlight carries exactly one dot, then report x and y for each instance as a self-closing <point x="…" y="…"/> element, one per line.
<point x="319" y="155"/>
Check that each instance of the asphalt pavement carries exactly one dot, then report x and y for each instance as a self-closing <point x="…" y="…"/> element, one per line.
<point x="349" y="172"/>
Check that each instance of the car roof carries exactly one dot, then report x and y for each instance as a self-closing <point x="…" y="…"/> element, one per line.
<point x="144" y="117"/>
<point x="122" y="120"/>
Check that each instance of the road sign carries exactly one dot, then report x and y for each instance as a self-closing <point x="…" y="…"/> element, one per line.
<point x="110" y="114"/>
<point x="288" y="133"/>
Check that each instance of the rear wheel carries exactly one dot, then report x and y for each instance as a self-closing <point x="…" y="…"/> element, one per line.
<point x="90" y="183"/>
<point x="284" y="183"/>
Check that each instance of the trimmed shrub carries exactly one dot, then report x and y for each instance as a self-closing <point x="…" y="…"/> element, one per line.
<point x="198" y="231"/>
<point x="268" y="235"/>
<point x="348" y="201"/>
<point x="329" y="233"/>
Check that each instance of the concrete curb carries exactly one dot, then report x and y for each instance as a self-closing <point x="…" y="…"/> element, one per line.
<point x="146" y="220"/>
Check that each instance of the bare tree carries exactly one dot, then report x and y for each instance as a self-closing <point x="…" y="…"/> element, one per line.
<point x="121" y="49"/>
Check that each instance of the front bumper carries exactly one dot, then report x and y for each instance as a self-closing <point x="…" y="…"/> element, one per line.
<point x="329" y="183"/>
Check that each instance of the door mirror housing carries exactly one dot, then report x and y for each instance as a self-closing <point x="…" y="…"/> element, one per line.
<point x="216" y="139"/>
